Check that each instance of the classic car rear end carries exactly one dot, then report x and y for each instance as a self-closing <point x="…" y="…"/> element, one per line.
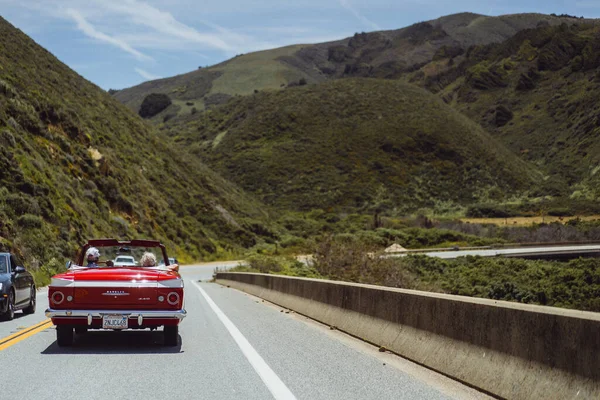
<point x="117" y="298"/>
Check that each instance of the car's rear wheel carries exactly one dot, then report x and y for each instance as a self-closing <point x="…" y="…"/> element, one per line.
<point x="9" y="314"/>
<point x="30" y="309"/>
<point x="171" y="335"/>
<point x="64" y="335"/>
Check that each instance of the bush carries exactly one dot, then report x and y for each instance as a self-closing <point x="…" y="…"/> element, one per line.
<point x="42" y="274"/>
<point x="264" y="264"/>
<point x="560" y="212"/>
<point x="153" y="104"/>
<point x="489" y="211"/>
<point x="29" y="221"/>
<point x="19" y="204"/>
<point x="280" y="265"/>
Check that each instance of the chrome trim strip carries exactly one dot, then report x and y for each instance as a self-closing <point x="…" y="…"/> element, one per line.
<point x="115" y="293"/>
<point x="57" y="282"/>
<point x="172" y="283"/>
<point x="168" y="283"/>
<point x="179" y="314"/>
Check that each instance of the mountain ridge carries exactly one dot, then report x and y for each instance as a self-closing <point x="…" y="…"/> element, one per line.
<point x="277" y="68"/>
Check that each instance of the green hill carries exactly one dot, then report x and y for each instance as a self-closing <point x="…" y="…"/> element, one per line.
<point x="537" y="93"/>
<point x="528" y="79"/>
<point x="349" y="143"/>
<point x="77" y="164"/>
<point x="377" y="54"/>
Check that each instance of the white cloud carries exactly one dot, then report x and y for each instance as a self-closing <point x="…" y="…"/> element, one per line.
<point x="146" y="74"/>
<point x="88" y="29"/>
<point x="362" y="18"/>
<point x="143" y="14"/>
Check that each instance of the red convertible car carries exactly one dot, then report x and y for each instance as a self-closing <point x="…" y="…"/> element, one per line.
<point x="94" y="294"/>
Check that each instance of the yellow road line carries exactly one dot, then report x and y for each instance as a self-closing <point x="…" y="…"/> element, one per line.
<point x="24" y="334"/>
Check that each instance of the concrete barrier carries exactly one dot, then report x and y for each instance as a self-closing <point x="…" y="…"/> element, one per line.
<point x="509" y="350"/>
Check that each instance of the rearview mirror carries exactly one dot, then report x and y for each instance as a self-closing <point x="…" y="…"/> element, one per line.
<point x="68" y="265"/>
<point x="19" y="269"/>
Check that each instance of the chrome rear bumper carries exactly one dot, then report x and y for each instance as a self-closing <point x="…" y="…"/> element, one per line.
<point x="179" y="314"/>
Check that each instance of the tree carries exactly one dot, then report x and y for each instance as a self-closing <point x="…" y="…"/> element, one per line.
<point x="153" y="104"/>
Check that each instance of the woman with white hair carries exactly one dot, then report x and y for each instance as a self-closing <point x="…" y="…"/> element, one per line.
<point x="148" y="260"/>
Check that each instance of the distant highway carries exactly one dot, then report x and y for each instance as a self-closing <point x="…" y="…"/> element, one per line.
<point x="234" y="346"/>
<point x="538" y="252"/>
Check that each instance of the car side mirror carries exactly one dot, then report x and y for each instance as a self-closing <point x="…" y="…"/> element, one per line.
<point x="68" y="265"/>
<point x="19" y="269"/>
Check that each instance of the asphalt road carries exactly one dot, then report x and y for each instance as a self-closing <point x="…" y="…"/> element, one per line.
<point x="521" y="252"/>
<point x="233" y="346"/>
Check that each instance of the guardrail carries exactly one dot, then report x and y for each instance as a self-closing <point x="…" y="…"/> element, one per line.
<point x="509" y="350"/>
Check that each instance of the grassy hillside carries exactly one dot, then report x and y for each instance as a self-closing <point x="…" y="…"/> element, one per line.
<point x="352" y="144"/>
<point x="377" y="54"/>
<point x="76" y="164"/>
<point x="537" y="93"/>
<point x="528" y="79"/>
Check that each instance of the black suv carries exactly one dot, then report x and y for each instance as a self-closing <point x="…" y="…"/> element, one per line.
<point x="17" y="289"/>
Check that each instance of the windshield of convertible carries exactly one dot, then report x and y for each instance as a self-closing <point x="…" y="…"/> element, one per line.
<point x="126" y="256"/>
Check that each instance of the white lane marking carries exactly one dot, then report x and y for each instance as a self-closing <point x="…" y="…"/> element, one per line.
<point x="271" y="380"/>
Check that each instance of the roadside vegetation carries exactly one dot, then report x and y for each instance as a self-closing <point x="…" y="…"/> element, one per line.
<point x="574" y="284"/>
<point x="357" y="257"/>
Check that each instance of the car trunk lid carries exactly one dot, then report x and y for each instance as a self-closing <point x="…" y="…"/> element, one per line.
<point x="106" y="287"/>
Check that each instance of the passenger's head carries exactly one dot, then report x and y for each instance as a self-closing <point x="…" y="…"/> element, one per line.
<point x="148" y="260"/>
<point x="92" y="254"/>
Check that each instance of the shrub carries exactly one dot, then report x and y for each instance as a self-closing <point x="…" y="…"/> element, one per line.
<point x="29" y="221"/>
<point x="168" y="117"/>
<point x="153" y="104"/>
<point x="19" y="204"/>
<point x="560" y="212"/>
<point x="488" y="211"/>
<point x="264" y="264"/>
<point x="337" y="54"/>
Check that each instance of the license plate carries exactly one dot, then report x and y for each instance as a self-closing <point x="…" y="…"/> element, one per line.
<point x="114" y="322"/>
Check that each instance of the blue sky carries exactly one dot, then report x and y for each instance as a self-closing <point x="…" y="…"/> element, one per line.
<point x="121" y="43"/>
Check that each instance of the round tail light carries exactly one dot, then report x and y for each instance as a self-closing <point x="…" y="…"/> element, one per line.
<point x="173" y="298"/>
<point x="58" y="297"/>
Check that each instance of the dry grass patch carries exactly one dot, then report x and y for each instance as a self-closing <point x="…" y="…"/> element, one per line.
<point x="526" y="221"/>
